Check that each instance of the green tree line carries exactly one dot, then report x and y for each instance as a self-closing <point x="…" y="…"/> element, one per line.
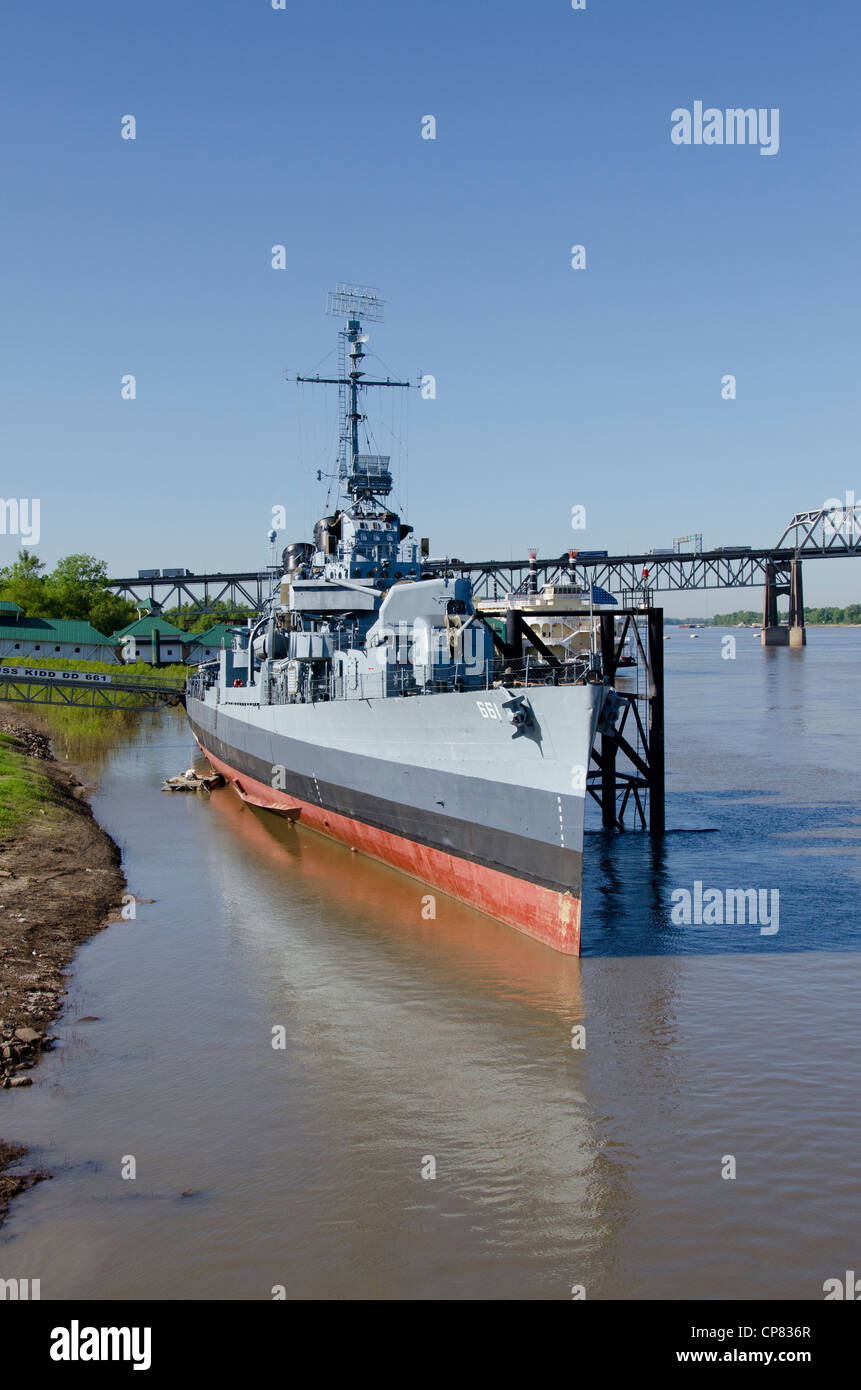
<point x="77" y="587"/>
<point x="190" y="619"/>
<point x="851" y="614"/>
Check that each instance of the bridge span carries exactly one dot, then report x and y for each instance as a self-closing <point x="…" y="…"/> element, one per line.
<point x="45" y="685"/>
<point x="820" y="534"/>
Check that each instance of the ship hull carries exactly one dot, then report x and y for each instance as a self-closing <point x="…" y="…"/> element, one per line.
<point x="457" y="801"/>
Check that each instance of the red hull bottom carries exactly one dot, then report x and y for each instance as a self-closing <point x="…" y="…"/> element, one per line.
<point x="549" y="917"/>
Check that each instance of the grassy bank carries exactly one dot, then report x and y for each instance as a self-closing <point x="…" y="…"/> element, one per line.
<point x="79" y="733"/>
<point x="24" y="791"/>
<point x="82" y="725"/>
<point x="60" y="883"/>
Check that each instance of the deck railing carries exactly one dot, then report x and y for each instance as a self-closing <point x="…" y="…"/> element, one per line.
<point x="400" y="680"/>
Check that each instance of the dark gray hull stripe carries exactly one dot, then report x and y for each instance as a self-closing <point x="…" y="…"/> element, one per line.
<point x="548" y="866"/>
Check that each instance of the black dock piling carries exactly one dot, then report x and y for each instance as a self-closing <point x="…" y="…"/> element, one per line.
<point x="614" y="788"/>
<point x="609" y="744"/>
<point x="657" y="815"/>
<point x="640" y="783"/>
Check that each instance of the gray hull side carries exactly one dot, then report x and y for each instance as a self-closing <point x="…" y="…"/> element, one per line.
<point x="435" y="770"/>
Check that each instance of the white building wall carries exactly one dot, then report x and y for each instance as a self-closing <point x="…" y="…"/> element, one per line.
<point x="197" y="654"/>
<point x="44" y="652"/>
<point x="142" y="651"/>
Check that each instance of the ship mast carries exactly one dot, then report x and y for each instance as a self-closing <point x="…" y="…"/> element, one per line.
<point x="366" y="477"/>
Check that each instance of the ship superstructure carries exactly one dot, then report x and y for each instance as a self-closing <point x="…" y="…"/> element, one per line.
<point x="371" y="704"/>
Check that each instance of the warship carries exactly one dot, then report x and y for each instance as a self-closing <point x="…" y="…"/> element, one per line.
<point x="378" y="706"/>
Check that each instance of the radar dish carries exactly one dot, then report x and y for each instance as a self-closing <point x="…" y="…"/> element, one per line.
<point x="356" y="302"/>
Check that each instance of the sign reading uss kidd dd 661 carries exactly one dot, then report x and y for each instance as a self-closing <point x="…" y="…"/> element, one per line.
<point x="44" y="674"/>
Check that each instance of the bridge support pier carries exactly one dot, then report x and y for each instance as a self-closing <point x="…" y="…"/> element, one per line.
<point x="773" y="635"/>
<point x="774" y="632"/>
<point x="797" y="630"/>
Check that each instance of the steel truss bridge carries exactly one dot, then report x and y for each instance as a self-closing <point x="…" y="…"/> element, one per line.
<point x="828" y="533"/>
<point x="202" y="593"/>
<point x="823" y="534"/>
<point x="38" y="685"/>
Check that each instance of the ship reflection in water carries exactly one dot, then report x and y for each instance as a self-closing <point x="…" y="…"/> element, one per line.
<point x="349" y="889"/>
<point x="447" y="1039"/>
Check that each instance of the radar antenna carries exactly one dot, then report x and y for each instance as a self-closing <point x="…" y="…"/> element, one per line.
<point x="362" y="475"/>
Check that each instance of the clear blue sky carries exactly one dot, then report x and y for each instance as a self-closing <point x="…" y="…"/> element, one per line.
<point x="556" y="387"/>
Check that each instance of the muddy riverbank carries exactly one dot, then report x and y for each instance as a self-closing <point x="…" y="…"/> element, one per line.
<point x="60" y="883"/>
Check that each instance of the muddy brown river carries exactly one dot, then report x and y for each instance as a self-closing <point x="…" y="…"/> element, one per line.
<point x="423" y="1127"/>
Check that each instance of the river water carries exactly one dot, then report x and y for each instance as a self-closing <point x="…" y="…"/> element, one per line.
<point x="414" y="1045"/>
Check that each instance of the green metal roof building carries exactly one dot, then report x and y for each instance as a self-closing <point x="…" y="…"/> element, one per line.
<point x="43" y="638"/>
<point x="205" y="646"/>
<point x="138" y="641"/>
<point x="143" y="627"/>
